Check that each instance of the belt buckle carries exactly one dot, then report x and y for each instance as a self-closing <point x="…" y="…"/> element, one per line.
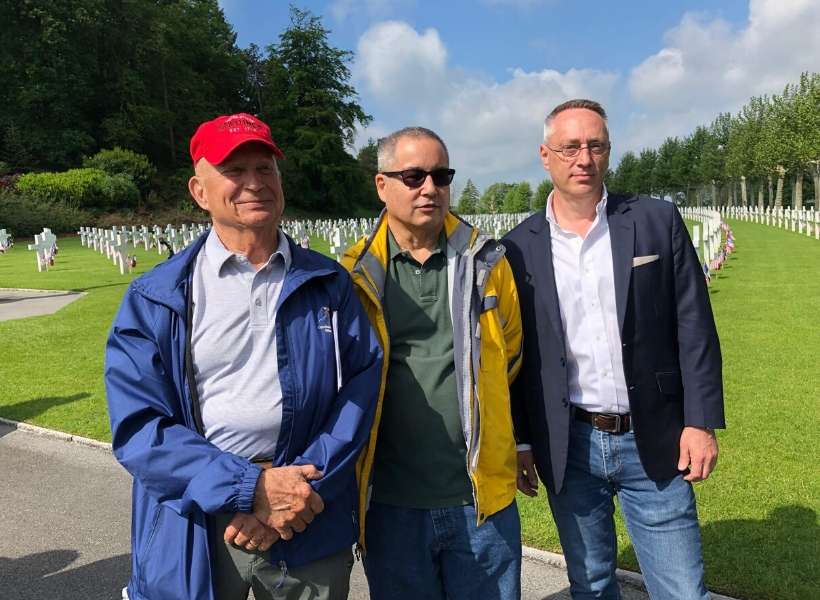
<point x="598" y="422"/>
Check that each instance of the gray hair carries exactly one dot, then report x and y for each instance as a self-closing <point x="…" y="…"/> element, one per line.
<point x="569" y="104"/>
<point x="386" y="150"/>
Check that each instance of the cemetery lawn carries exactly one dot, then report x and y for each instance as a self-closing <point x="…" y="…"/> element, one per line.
<point x="759" y="509"/>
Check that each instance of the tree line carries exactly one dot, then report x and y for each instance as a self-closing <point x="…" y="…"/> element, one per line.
<point x="80" y="76"/>
<point x="502" y="197"/>
<point x="766" y="152"/>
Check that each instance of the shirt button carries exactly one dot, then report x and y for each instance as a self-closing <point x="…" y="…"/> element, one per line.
<point x="418" y="271"/>
<point x="258" y="302"/>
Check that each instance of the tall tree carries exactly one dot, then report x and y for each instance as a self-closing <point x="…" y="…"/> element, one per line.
<point x="468" y="201"/>
<point x="493" y="197"/>
<point x="518" y="198"/>
<point x="313" y="111"/>
<point x="542" y="192"/>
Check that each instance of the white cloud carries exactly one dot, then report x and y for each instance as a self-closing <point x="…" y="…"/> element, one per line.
<point x="398" y="64"/>
<point x="492" y="128"/>
<point x="707" y="67"/>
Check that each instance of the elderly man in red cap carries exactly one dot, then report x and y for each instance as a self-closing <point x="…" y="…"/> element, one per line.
<point x="241" y="377"/>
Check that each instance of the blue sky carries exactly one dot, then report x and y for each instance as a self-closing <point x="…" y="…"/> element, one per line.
<point x="484" y="73"/>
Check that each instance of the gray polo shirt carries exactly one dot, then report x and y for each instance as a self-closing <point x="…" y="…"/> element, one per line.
<point x="233" y="346"/>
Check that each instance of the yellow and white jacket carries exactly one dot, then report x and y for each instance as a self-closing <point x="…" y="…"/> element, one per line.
<point x="487" y="348"/>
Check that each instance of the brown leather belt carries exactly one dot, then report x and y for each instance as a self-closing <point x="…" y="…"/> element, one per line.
<point x="608" y="422"/>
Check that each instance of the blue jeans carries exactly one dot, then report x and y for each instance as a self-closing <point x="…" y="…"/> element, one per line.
<point x="432" y="554"/>
<point x="660" y="517"/>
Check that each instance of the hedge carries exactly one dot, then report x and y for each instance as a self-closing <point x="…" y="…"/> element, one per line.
<point x="92" y="189"/>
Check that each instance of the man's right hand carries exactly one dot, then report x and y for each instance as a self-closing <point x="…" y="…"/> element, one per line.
<point x="527" y="480"/>
<point x="284" y="499"/>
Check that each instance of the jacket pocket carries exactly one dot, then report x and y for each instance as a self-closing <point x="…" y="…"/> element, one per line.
<point x="669" y="383"/>
<point x="145" y="551"/>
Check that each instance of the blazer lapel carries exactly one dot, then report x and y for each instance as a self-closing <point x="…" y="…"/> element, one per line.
<point x="622" y="238"/>
<point x="541" y="271"/>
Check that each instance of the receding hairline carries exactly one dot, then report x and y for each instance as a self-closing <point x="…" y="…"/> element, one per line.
<point x="576" y="103"/>
<point x="386" y="146"/>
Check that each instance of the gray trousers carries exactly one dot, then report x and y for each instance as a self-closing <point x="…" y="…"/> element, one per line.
<point x="236" y="571"/>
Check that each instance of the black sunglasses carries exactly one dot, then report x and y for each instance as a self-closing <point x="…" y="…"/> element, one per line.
<point x="414" y="178"/>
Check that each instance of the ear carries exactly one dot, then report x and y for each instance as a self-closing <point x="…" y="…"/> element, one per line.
<point x="544" y="152"/>
<point x="381" y="183"/>
<point x="197" y="191"/>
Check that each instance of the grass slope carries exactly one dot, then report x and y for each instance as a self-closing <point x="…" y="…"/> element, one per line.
<point x="758" y="510"/>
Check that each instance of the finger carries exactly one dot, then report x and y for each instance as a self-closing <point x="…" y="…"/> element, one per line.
<point x="709" y="466"/>
<point x="683" y="461"/>
<point x="285" y="533"/>
<point x="241" y="539"/>
<point x="298" y="524"/>
<point x="315" y="503"/>
<point x="310" y="472"/>
<point x="695" y="469"/>
<point x="230" y="533"/>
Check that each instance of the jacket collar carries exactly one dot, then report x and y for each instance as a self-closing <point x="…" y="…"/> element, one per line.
<point x="167" y="283"/>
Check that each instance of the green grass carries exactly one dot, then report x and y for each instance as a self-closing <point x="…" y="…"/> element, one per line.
<point x="758" y="510"/>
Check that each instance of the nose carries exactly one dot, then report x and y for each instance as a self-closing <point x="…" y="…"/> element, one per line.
<point x="253" y="180"/>
<point x="428" y="188"/>
<point x="584" y="155"/>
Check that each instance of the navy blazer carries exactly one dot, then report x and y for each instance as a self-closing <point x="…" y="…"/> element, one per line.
<point x="671" y="353"/>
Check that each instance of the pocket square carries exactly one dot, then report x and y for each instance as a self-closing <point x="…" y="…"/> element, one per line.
<point x="642" y="260"/>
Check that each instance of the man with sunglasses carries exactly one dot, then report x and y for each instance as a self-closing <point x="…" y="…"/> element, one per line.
<point x="437" y="477"/>
<point x="621" y="387"/>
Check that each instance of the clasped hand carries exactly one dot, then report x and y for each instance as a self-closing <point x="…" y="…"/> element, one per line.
<point x="284" y="503"/>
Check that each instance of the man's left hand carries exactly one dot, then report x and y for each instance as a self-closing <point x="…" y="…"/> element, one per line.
<point x="698" y="453"/>
<point x="246" y="531"/>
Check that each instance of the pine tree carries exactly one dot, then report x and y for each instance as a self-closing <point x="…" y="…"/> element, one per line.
<point x="468" y="201"/>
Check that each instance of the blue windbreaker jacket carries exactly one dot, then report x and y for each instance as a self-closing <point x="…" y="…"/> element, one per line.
<point x="329" y="367"/>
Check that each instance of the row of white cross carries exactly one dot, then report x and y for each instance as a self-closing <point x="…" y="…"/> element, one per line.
<point x="802" y="221"/>
<point x="116" y="243"/>
<point x="341" y="233"/>
<point x="706" y="237"/>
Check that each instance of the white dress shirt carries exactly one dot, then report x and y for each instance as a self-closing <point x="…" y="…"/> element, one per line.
<point x="233" y="347"/>
<point x="586" y="295"/>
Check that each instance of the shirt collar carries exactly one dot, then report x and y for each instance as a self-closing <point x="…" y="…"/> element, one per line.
<point x="600" y="209"/>
<point x="394" y="250"/>
<point x="218" y="255"/>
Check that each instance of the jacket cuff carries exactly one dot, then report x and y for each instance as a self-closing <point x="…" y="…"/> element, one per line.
<point x="247" y="488"/>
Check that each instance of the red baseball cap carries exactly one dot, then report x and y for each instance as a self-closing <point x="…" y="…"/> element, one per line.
<point x="215" y="140"/>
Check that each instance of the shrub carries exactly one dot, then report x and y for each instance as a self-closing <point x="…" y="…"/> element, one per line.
<point x="82" y="188"/>
<point x="118" y="161"/>
<point x="25" y="215"/>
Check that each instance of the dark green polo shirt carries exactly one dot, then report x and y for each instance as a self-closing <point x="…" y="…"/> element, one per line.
<point x="420" y="452"/>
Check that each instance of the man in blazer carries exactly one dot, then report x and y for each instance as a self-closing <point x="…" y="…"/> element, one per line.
<point x="620" y="390"/>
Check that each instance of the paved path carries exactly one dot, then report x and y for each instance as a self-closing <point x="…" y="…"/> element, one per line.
<point x="19" y="304"/>
<point x="65" y="526"/>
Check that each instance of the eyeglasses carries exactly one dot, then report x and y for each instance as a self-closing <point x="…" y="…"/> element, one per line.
<point x="415" y="178"/>
<point x="573" y="150"/>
